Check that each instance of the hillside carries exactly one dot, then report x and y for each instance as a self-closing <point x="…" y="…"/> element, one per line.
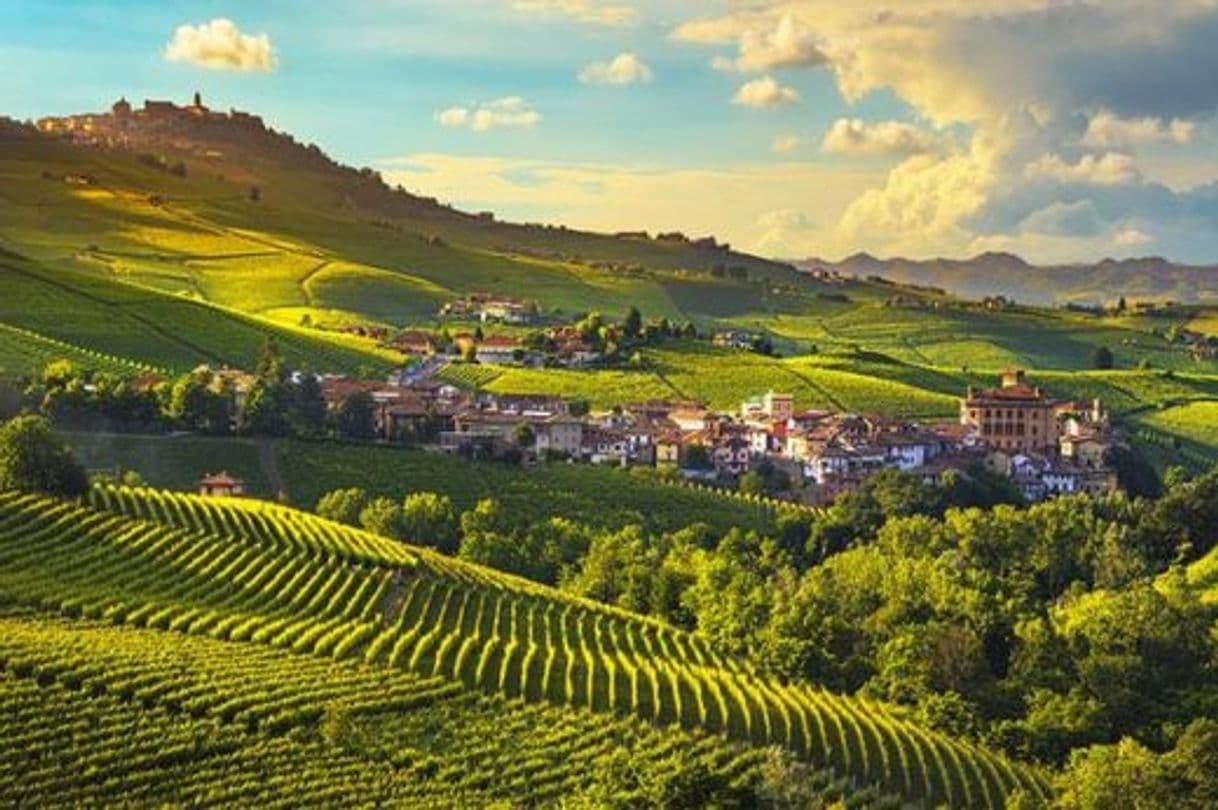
<point x="174" y="208"/>
<point x="268" y="585"/>
<point x="1145" y="278"/>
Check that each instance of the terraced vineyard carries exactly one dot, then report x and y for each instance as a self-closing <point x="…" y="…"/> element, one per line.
<point x="239" y="572"/>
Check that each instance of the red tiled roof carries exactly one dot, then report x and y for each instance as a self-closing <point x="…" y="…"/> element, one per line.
<point x="500" y="342"/>
<point x="220" y="479"/>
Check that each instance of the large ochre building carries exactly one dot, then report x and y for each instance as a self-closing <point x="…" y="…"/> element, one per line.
<point x="1014" y="417"/>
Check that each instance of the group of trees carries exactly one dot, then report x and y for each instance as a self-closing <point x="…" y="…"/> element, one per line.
<point x="276" y="403"/>
<point x="616" y="341"/>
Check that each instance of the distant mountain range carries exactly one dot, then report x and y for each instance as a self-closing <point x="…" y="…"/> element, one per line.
<point x="1006" y="274"/>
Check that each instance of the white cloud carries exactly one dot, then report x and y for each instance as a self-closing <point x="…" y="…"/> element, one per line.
<point x="625" y="68"/>
<point x="585" y="11"/>
<point x="854" y="136"/>
<point x="1019" y="76"/>
<point x="765" y="92"/>
<point x="786" y="144"/>
<point x="511" y="112"/>
<point x="220" y="45"/>
<point x="1132" y="237"/>
<point x="764" y="45"/>
<point x="1108" y="169"/>
<point x="1107" y="129"/>
<point x="921" y="207"/>
<point x="785" y="232"/>
<point x="788" y="44"/>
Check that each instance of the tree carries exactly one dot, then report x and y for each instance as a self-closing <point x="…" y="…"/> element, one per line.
<point x="429" y="519"/>
<point x="196" y="403"/>
<point x="1121" y="305"/>
<point x="1101" y="358"/>
<point x="356" y="417"/>
<point x="270" y="367"/>
<point x="752" y="483"/>
<point x="382" y="516"/>
<point x="343" y="505"/>
<point x="697" y="457"/>
<point x="266" y="409"/>
<point x="33" y="458"/>
<point x="633" y="323"/>
<point x="618" y="570"/>
<point x="308" y="410"/>
<point x="524" y="436"/>
<point x="1128" y="775"/>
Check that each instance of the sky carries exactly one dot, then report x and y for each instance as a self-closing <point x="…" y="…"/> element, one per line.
<point x="1062" y="130"/>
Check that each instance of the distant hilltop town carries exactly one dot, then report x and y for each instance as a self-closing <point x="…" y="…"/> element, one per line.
<point x="154" y="117"/>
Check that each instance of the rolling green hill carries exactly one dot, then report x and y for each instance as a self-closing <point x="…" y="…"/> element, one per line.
<point x="246" y="605"/>
<point x="321" y="237"/>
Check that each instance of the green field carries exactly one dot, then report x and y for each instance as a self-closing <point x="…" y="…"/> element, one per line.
<point x="382" y="636"/>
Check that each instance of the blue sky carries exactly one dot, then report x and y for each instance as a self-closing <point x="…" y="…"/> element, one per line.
<point x="931" y="131"/>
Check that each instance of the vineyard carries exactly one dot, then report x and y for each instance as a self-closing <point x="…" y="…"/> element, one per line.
<point x="596" y="496"/>
<point x="115" y="319"/>
<point x="274" y="581"/>
<point x="26" y="354"/>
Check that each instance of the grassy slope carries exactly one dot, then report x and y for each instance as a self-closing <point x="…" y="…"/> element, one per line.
<point x="319" y="237"/>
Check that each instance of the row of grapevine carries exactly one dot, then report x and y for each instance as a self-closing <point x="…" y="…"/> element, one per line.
<point x="27" y="353"/>
<point x="441" y="617"/>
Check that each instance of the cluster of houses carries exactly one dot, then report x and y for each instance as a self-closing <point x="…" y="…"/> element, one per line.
<point x="1043" y="445"/>
<point x="489" y="308"/>
<point x="565" y="346"/>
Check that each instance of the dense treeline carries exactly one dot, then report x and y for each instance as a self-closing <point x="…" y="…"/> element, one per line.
<point x="276" y="402"/>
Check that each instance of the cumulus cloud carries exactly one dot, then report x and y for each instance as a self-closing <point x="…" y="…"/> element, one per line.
<point x="784" y="232"/>
<point x="854" y="136"/>
<point x="585" y="11"/>
<point x="511" y="112"/>
<point x="1107" y="129"/>
<point x="625" y="68"/>
<point x="765" y="92"/>
<point x="220" y="45"/>
<point x="786" y="43"/>
<point x="923" y="204"/>
<point x="1019" y="76"/>
<point x="786" y="144"/>
<point x="1132" y="237"/>
<point x="1108" y="169"/>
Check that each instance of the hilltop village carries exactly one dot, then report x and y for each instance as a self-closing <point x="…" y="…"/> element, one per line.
<point x="122" y="121"/>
